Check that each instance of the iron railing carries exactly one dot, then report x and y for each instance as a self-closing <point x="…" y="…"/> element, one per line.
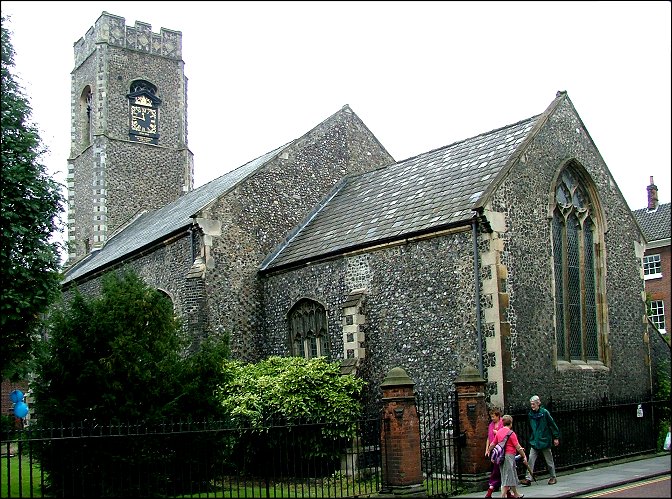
<point x="188" y="459"/>
<point x="597" y="431"/>
<point x="211" y="459"/>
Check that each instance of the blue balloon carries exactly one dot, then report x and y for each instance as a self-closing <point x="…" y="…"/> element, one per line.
<point x="21" y="410"/>
<point x="16" y="396"/>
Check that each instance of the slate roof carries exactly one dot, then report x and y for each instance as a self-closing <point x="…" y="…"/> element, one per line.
<point x="156" y="225"/>
<point x="655" y="224"/>
<point x="436" y="189"/>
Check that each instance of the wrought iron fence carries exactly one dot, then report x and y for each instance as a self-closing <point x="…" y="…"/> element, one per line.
<point x="211" y="459"/>
<point x="440" y="454"/>
<point x="597" y="431"/>
<point x="188" y="459"/>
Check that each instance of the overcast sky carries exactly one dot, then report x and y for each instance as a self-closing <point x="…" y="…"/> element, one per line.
<point x="420" y="75"/>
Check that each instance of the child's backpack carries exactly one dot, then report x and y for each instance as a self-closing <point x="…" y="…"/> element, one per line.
<point x="497" y="453"/>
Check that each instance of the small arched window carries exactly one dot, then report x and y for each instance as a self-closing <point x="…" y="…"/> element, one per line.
<point x="165" y="295"/>
<point x="576" y="231"/>
<point x="86" y="106"/>
<point x="308" y="329"/>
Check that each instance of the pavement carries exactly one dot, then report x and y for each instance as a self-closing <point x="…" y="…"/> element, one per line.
<point x="589" y="479"/>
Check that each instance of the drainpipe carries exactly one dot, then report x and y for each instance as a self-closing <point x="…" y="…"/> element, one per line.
<point x="477" y="295"/>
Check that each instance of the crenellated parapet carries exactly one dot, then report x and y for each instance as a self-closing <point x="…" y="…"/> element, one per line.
<point x="112" y="30"/>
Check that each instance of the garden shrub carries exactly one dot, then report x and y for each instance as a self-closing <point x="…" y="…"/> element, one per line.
<point x="303" y="408"/>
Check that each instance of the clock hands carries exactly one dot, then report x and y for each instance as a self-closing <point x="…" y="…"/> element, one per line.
<point x="144" y="119"/>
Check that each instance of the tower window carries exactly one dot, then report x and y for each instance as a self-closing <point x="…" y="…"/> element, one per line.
<point x="138" y="86"/>
<point x="86" y="104"/>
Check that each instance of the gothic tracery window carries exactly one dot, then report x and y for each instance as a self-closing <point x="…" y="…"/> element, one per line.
<point x="308" y="329"/>
<point x="575" y="269"/>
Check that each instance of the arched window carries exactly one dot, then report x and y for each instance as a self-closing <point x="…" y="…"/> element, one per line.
<point x="308" y="329"/>
<point x="575" y="238"/>
<point x="86" y="105"/>
<point x="138" y="86"/>
<point x="166" y="296"/>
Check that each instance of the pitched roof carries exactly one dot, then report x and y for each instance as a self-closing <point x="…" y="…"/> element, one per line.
<point x="655" y="223"/>
<point x="156" y="225"/>
<point x="152" y="227"/>
<point x="434" y="190"/>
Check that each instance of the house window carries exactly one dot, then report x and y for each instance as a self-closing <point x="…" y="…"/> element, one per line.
<point x="574" y="265"/>
<point x="308" y="329"/>
<point x="652" y="267"/>
<point x="657" y="314"/>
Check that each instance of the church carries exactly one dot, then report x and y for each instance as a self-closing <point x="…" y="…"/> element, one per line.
<point x="512" y="252"/>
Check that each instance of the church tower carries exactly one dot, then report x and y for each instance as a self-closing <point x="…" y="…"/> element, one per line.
<point x="129" y="150"/>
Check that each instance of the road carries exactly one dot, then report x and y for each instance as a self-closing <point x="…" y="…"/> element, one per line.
<point x="652" y="487"/>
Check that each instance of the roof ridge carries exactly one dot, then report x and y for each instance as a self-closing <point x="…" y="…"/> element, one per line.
<point x="647" y="210"/>
<point x="240" y="166"/>
<point x="470" y="138"/>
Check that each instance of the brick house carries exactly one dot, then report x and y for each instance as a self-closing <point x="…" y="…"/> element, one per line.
<point x="655" y="223"/>
<point x="512" y="251"/>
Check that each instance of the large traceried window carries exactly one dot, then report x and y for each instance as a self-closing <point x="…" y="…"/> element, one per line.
<point x="575" y="270"/>
<point x="308" y="329"/>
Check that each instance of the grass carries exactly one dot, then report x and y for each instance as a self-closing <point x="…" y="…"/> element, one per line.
<point x="15" y="487"/>
<point x="339" y="486"/>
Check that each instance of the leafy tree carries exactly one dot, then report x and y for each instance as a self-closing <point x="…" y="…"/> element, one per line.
<point x="663" y="394"/>
<point x="112" y="358"/>
<point x="30" y="202"/>
<point x="200" y="378"/>
<point x="109" y="362"/>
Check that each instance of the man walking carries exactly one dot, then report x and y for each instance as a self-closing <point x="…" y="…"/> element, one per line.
<point x="545" y="434"/>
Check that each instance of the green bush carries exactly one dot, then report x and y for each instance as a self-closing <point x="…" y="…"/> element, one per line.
<point x="663" y="394"/>
<point x="290" y="405"/>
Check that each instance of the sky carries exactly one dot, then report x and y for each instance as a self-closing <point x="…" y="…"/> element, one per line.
<point x="421" y="75"/>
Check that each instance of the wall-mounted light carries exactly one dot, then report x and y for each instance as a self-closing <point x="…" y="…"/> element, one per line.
<point x="399" y="412"/>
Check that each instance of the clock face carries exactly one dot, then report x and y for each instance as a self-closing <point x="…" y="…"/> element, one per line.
<point x="143" y="120"/>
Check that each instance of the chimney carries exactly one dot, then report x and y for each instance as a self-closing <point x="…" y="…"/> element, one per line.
<point x="652" y="192"/>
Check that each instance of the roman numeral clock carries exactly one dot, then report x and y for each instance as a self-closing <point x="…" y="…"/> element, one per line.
<point x="144" y="113"/>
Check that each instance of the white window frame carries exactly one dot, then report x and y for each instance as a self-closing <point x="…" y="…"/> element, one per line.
<point x="652" y="266"/>
<point x="657" y="314"/>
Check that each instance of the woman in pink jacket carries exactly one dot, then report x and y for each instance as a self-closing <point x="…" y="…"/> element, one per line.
<point x="495" y="424"/>
<point x="509" y="474"/>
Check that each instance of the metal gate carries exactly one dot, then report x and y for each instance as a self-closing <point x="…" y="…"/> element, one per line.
<point x="440" y="452"/>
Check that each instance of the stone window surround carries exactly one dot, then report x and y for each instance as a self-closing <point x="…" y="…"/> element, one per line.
<point x="353" y="320"/>
<point x="315" y="343"/>
<point x="600" y="227"/>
